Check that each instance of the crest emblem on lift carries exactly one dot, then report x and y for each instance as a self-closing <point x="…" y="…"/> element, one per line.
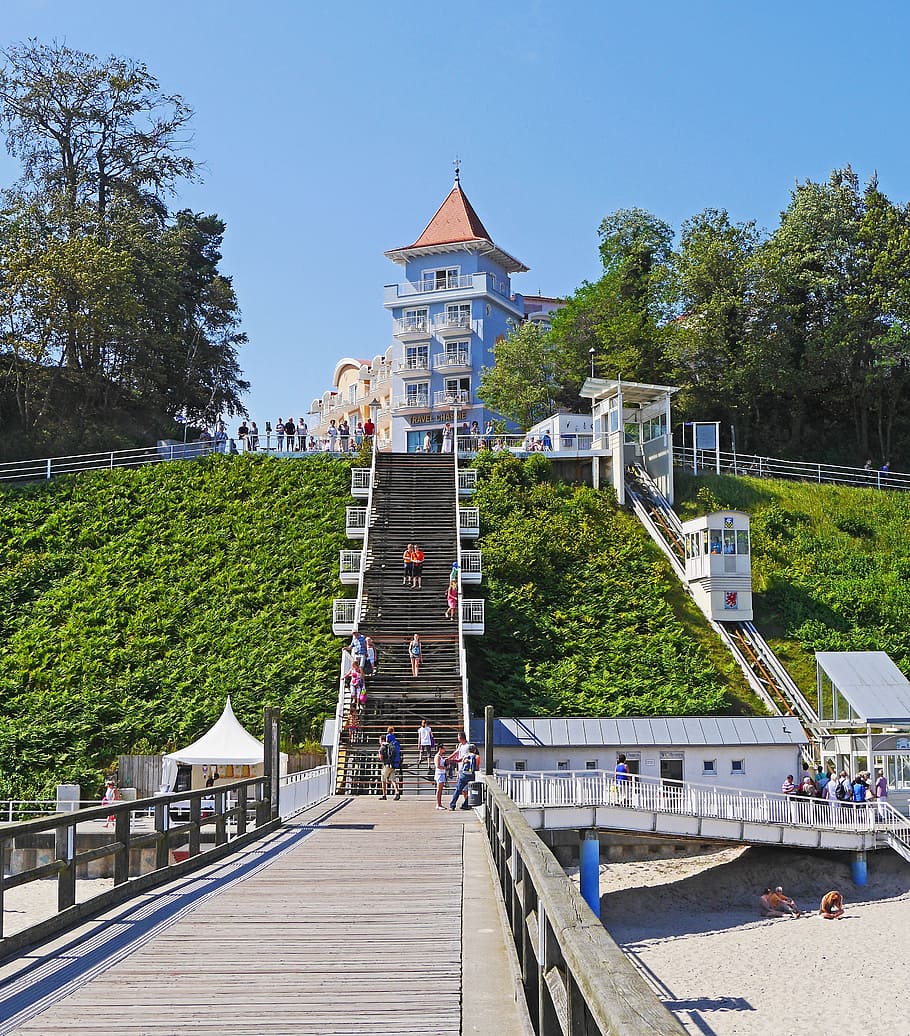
<point x="728" y="522"/>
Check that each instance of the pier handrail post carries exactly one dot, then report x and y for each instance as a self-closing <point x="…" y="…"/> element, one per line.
<point x="65" y="854"/>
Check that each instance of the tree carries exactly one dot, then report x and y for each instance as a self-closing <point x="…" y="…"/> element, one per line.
<point x="524" y="381"/>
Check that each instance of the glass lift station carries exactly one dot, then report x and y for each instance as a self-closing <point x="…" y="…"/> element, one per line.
<point x="719" y="565"/>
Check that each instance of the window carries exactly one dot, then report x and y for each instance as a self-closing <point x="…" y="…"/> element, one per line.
<point x="459" y="314"/>
<point x="562" y="764"/>
<point x="438" y="280"/>
<point x="414" y="320"/>
<point x="458" y="390"/>
<point x="417" y="394"/>
<point x="352" y="393"/>
<point x="457" y="352"/>
<point x="709" y="766"/>
<point x="590" y="764"/>
<point x="738" y="766"/>
<point x="521" y="765"/>
<point x="416" y="357"/>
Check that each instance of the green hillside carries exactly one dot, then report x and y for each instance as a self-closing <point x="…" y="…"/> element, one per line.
<point x="131" y="602"/>
<point x="584" y="615"/>
<point x="830" y="565"/>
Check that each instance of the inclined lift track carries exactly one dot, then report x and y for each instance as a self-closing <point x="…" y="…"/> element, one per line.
<point x="763" y="670"/>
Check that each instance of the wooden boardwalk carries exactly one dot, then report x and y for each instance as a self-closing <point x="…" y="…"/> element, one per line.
<point x="354" y="927"/>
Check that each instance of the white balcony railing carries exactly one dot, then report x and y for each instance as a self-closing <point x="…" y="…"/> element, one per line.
<point x="343" y="611"/>
<point x="413" y="365"/>
<point x="424" y="287"/>
<point x="408" y="403"/>
<point x="471" y="566"/>
<point x="448" y="324"/>
<point x="447" y="398"/>
<point x="349" y="565"/>
<point x="411" y="327"/>
<point x="360" y="482"/>
<point x="452" y="359"/>
<point x="379" y="376"/>
<point x="355" y="522"/>
<point x="467" y="480"/>
<point x="472" y="623"/>
<point x="469" y="522"/>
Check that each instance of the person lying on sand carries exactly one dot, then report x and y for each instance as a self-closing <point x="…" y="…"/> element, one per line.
<point x="783" y="903"/>
<point x="832" y="905"/>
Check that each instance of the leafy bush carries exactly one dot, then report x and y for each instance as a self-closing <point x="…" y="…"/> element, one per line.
<point x="133" y="602"/>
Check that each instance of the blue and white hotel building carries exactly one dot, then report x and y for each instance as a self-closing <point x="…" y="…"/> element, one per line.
<point x="451" y="305"/>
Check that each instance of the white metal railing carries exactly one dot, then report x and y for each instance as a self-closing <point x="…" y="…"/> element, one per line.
<point x="422" y="287"/>
<point x="601" y="788"/>
<point x="350" y="561"/>
<point x="420" y="402"/>
<point x="447" y="398"/>
<point x="411" y="325"/>
<point x="452" y="358"/>
<point x="298" y="791"/>
<point x="472" y="612"/>
<point x="413" y="365"/>
<point x="457" y="322"/>
<point x="467" y="480"/>
<point x="471" y="563"/>
<point x="705" y="461"/>
<point x="48" y="467"/>
<point x="468" y="518"/>
<point x="522" y="443"/>
<point x="462" y="652"/>
<point x="344" y="610"/>
<point x="380" y="376"/>
<point x="360" y="480"/>
<point x="355" y="518"/>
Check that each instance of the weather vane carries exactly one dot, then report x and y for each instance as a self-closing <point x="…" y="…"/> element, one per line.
<point x="457" y="164"/>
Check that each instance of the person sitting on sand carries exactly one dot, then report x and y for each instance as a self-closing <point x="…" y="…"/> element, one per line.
<point x="783" y="903"/>
<point x="767" y="908"/>
<point x="832" y="905"/>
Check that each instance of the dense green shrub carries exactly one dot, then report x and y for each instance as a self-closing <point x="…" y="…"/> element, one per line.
<point x="133" y="602"/>
<point x="578" y="619"/>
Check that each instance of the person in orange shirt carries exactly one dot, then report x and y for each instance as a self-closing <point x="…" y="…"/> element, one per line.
<point x="408" y="558"/>
<point x="417" y="567"/>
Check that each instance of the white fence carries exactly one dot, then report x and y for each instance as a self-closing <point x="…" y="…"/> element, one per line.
<point x="601" y="788"/>
<point x="298" y="791"/>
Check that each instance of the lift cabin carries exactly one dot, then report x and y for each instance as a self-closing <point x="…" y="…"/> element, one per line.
<point x="719" y="565"/>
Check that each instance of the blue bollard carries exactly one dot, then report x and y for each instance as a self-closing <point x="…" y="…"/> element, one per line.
<point x="589" y="870"/>
<point x="858" y="868"/>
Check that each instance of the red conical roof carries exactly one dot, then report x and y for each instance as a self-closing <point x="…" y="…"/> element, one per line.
<point x="455" y="221"/>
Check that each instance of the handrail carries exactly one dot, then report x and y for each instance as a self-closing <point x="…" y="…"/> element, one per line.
<point x="662" y="795"/>
<point x="755" y="466"/>
<point x="462" y="652"/>
<point x="577" y="980"/>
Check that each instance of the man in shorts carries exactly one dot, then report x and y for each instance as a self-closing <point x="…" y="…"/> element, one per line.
<point x="408" y="559"/>
<point x="416" y="567"/>
<point x="390" y="758"/>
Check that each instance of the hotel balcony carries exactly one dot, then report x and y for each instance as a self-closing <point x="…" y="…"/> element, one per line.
<point x="454" y="326"/>
<point x="360" y="482"/>
<point x="472" y="285"/>
<point x="412" y="329"/>
<point x="472" y="624"/>
<point x="349" y="564"/>
<point x="452" y="361"/>
<point x="449" y="400"/>
<point x="468" y="522"/>
<point x="343" y="612"/>
<point x="467" y="479"/>
<point x="413" y="367"/>
<point x="411" y="405"/>
<point x="355" y="522"/>
<point x="379" y="376"/>
<point x="470" y="566"/>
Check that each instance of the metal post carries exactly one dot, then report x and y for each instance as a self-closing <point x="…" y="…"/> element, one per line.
<point x="488" y="714"/>
<point x="48" y="469"/>
<point x="589" y="869"/>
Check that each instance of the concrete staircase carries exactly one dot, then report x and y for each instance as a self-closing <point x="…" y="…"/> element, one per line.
<point x="414" y="500"/>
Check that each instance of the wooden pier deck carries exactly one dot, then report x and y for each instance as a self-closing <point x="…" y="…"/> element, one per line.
<point x="353" y="925"/>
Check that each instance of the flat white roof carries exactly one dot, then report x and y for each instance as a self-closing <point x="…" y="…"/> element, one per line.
<point x="553" y="731"/>
<point x="873" y="686"/>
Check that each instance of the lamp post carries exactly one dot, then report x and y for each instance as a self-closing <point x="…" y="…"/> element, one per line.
<point x="591" y="354"/>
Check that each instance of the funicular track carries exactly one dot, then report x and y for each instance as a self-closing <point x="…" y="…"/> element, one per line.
<point x="763" y="670"/>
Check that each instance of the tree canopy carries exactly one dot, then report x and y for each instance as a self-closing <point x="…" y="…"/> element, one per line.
<point x="114" y="314"/>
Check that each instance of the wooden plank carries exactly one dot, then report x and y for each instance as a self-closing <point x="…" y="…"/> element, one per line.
<point x="359" y="919"/>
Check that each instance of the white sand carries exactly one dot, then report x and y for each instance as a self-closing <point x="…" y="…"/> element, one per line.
<point x="692" y="927"/>
<point x="36" y="901"/>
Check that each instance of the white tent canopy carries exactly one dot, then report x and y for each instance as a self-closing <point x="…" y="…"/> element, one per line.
<point x="226" y="742"/>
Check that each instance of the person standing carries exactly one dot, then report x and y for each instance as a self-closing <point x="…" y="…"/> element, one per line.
<point x="415" y="653"/>
<point x="439" y="764"/>
<point x="622" y="779"/>
<point x="467" y="771"/>
<point x="368" y="429"/>
<point x="448" y="438"/>
<point x="333" y="437"/>
<point x="111" y="794"/>
<point x="407" y="558"/>
<point x="253" y="437"/>
<point x="372" y="659"/>
<point x="290" y="432"/>
<point x="212" y="777"/>
<point x="301" y="434"/>
<point x="387" y="773"/>
<point x="279" y="434"/>
<point x="881" y="793"/>
<point x="427" y="443"/>
<point x="344" y="433"/>
<point x="425" y="742"/>
<point x="451" y="600"/>
<point x="417" y="567"/>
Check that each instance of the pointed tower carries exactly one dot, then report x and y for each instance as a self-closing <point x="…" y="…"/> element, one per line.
<point x="453" y="304"/>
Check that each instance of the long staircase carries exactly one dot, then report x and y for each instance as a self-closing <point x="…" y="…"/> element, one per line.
<point x="413" y="500"/>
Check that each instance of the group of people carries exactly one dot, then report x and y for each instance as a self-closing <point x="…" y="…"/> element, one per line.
<point x="463" y="762"/>
<point x="778" y="904"/>
<point x="364" y="664"/>
<point x="413" y="566"/>
<point x="836" y="787"/>
<point x="290" y="437"/>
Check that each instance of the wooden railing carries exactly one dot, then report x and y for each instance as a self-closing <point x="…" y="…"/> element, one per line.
<point x="577" y="980"/>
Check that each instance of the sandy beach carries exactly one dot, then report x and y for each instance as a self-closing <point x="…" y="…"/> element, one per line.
<point x="36" y="901"/>
<point x="692" y="927"/>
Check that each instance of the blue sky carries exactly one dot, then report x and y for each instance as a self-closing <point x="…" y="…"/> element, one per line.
<point x="327" y="133"/>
